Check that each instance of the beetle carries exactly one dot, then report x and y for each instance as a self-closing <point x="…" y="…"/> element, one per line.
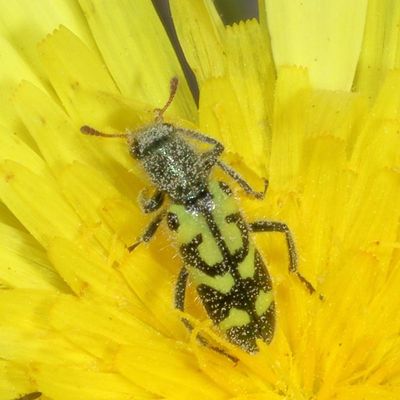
<point x="214" y="239"/>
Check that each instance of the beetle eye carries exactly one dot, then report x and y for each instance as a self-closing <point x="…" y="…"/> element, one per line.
<point x="134" y="149"/>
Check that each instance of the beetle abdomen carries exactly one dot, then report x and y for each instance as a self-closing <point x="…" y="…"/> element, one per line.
<point x="225" y="267"/>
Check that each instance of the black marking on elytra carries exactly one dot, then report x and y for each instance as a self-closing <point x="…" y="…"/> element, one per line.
<point x="242" y="296"/>
<point x="261" y="272"/>
<point x="225" y="188"/>
<point x="230" y="262"/>
<point x="217" y="235"/>
<point x="173" y="221"/>
<point x="261" y="327"/>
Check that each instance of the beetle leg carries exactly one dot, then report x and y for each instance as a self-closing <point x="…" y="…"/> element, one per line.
<point x="241" y="182"/>
<point x="275" y="226"/>
<point x="209" y="158"/>
<point x="150" y="231"/>
<point x="201" y="137"/>
<point x="180" y="294"/>
<point x="153" y="203"/>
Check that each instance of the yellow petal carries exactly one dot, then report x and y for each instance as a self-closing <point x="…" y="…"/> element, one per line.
<point x="62" y="382"/>
<point x="26" y="334"/>
<point x="45" y="119"/>
<point x="368" y="392"/>
<point x="105" y="332"/>
<point x="242" y="98"/>
<point x="25" y="264"/>
<point x="15" y="380"/>
<point x="291" y="96"/>
<point x="82" y="71"/>
<point x="23" y="27"/>
<point x="323" y="167"/>
<point x="321" y="35"/>
<point x="101" y="328"/>
<point x="12" y="69"/>
<point x="28" y="315"/>
<point x="379" y="192"/>
<point x="37" y="203"/>
<point x="336" y="113"/>
<point x="380" y="50"/>
<point x="14" y="148"/>
<point x="89" y="194"/>
<point x="26" y="24"/>
<point x="141" y="271"/>
<point x="202" y="38"/>
<point x="9" y="219"/>
<point x="180" y="380"/>
<point x="220" y="114"/>
<point x="89" y="276"/>
<point x="137" y="52"/>
<point x="379" y="140"/>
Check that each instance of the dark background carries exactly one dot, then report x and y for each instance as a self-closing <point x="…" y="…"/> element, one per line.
<point x="230" y="11"/>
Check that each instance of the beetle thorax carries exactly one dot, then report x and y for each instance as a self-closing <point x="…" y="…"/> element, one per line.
<point x="172" y="164"/>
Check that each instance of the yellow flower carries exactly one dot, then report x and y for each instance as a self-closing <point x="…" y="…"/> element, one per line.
<point x="308" y="97"/>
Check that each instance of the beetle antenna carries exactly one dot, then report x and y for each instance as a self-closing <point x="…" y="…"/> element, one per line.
<point x="87" y="130"/>
<point x="173" y="86"/>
